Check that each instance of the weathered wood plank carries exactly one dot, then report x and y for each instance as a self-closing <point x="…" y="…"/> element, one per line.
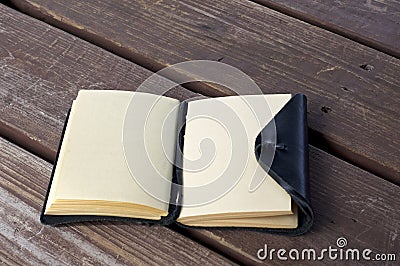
<point x="352" y="109"/>
<point x="41" y="71"/>
<point x="24" y="241"/>
<point x="348" y="202"/>
<point x="374" y="23"/>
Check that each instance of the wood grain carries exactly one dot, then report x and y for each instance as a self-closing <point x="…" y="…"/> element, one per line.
<point x="347" y="201"/>
<point x="24" y="241"/>
<point x="352" y="89"/>
<point x="41" y="71"/>
<point x="375" y="23"/>
<point x="40" y="74"/>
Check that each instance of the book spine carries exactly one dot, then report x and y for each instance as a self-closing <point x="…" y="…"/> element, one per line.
<point x="176" y="190"/>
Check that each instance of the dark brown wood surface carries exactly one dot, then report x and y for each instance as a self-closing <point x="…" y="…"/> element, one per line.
<point x="340" y="212"/>
<point x="348" y="202"/>
<point x="41" y="72"/>
<point x="24" y="241"/>
<point x="42" y="69"/>
<point x="375" y="23"/>
<point x="353" y="90"/>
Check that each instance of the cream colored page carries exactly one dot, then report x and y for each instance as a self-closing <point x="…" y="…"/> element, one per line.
<point x="269" y="197"/>
<point x="92" y="164"/>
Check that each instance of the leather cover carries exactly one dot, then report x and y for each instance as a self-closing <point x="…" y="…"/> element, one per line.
<point x="290" y="164"/>
<point x="289" y="168"/>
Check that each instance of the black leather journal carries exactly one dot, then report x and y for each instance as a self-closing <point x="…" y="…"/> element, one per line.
<point x="289" y="169"/>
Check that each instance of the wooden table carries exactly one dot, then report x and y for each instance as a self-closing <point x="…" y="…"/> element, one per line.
<point x="344" y="55"/>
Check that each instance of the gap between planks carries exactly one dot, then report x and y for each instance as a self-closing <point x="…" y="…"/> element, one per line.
<point x="25" y="241"/>
<point x="332" y="27"/>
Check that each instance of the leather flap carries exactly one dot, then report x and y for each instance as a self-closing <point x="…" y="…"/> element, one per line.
<point x="290" y="163"/>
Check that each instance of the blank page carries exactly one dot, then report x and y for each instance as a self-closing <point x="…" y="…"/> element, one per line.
<point x="217" y="119"/>
<point x="92" y="164"/>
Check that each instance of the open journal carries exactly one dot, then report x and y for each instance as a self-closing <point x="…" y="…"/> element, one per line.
<point x="96" y="177"/>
